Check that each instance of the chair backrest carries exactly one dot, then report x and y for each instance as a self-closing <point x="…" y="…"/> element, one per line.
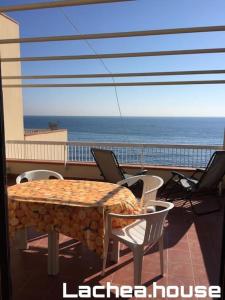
<point x="155" y="221"/>
<point x="151" y="184"/>
<point x="108" y="165"/>
<point x="214" y="172"/>
<point x="38" y="175"/>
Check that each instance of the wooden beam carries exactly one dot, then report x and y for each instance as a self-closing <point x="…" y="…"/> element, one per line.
<point x="106" y="75"/>
<point x="115" y="55"/>
<point x="114" y="35"/>
<point x="54" y="4"/>
<point x="122" y="84"/>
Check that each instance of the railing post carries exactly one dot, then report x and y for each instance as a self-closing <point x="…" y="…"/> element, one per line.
<point x="25" y="151"/>
<point x="142" y="157"/>
<point x="65" y="154"/>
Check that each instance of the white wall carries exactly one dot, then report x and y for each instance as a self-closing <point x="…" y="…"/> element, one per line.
<point x="13" y="104"/>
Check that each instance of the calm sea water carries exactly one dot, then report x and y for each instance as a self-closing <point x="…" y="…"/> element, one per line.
<point x="162" y="130"/>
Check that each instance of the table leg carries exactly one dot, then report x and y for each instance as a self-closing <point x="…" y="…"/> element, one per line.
<point x="115" y="254"/>
<point x="21" y="239"/>
<point x="53" y="252"/>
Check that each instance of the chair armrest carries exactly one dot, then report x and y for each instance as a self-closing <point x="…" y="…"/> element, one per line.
<point x="121" y="216"/>
<point x="142" y="172"/>
<point x="199" y="170"/>
<point x="131" y="179"/>
<point x="110" y="216"/>
<point x="179" y="175"/>
<point x="164" y="204"/>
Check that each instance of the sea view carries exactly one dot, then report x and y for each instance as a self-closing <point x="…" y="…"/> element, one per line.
<point x="112" y="126"/>
<point x="161" y="130"/>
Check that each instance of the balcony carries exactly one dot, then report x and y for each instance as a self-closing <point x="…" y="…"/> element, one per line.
<point x="192" y="257"/>
<point x="192" y="244"/>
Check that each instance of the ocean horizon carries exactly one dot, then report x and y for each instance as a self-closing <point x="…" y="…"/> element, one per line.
<point x="129" y="129"/>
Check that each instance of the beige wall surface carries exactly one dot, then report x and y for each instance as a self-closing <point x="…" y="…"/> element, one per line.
<point x="89" y="171"/>
<point x="50" y="135"/>
<point x="85" y="171"/>
<point x="13" y="105"/>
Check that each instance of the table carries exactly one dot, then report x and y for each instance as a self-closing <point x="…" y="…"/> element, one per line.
<point x="75" y="208"/>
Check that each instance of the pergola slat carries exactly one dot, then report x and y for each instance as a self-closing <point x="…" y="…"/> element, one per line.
<point x="54" y="4"/>
<point x="115" y="55"/>
<point x="122" y="84"/>
<point x="106" y="75"/>
<point x="114" y="35"/>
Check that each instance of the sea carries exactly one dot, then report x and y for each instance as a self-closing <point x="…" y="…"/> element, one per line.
<point x="159" y="130"/>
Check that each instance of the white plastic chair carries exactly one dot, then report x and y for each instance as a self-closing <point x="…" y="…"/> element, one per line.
<point x="38" y="175"/>
<point x="151" y="184"/>
<point x="21" y="235"/>
<point x="146" y="230"/>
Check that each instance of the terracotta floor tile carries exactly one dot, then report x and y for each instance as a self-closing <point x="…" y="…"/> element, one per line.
<point x="179" y="256"/>
<point x="180" y="270"/>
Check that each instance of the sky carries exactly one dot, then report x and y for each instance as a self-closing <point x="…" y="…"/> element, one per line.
<point x="196" y="100"/>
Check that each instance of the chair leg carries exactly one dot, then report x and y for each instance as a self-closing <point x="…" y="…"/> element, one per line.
<point x="105" y="254"/>
<point x="161" y="255"/>
<point x="115" y="255"/>
<point x="138" y="258"/>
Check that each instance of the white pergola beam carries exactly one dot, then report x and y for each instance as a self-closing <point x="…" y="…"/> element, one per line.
<point x="113" y="35"/>
<point x="119" y="84"/>
<point x="54" y="4"/>
<point x="106" y="75"/>
<point x="114" y="55"/>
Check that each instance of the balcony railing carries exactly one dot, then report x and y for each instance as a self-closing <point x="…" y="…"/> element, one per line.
<point x="143" y="154"/>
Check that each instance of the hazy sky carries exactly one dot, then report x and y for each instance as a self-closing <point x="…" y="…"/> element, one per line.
<point x="198" y="100"/>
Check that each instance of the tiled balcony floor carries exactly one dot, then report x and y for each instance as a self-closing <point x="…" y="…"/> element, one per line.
<point x="192" y="255"/>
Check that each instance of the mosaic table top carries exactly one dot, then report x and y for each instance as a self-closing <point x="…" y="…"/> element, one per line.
<point x="71" y="193"/>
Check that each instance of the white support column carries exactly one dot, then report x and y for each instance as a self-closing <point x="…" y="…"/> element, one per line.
<point x="53" y="252"/>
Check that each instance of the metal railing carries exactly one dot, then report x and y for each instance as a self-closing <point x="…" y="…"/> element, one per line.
<point x="127" y="153"/>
